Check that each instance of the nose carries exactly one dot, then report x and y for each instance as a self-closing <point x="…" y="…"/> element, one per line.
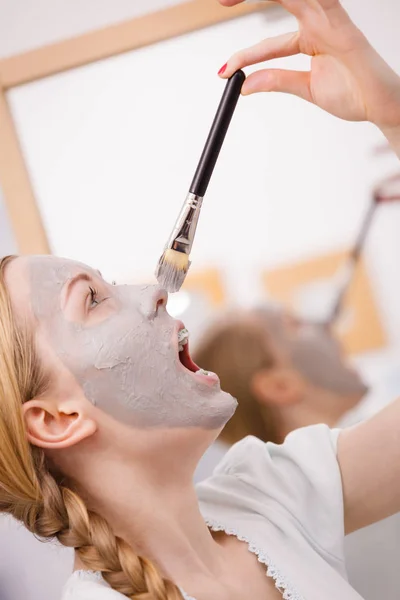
<point x="156" y="300"/>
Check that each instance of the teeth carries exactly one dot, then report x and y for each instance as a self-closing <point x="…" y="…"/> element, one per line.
<point x="203" y="372"/>
<point x="183" y="336"/>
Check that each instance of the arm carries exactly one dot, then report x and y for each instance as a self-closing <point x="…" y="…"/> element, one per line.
<point x="369" y="460"/>
<point x="392" y="134"/>
<point x="348" y="78"/>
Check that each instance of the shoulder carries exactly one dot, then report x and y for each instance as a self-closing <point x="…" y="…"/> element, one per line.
<point x="303" y="452"/>
<point x="297" y="485"/>
<point x="88" y="585"/>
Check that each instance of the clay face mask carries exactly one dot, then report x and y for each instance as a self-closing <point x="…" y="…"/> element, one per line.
<point x="314" y="352"/>
<point x="121" y="348"/>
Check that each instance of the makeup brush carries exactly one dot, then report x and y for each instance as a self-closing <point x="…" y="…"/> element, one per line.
<point x="387" y="191"/>
<point x="174" y="263"/>
<point x="346" y="271"/>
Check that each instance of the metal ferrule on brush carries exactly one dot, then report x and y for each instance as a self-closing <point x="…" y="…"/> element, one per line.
<point x="182" y="236"/>
<point x="171" y="272"/>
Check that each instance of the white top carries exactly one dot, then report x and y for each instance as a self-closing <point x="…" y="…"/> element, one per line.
<point x="285" y="502"/>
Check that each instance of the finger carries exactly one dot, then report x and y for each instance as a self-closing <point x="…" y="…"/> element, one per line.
<point x="276" y="47"/>
<point x="279" y="80"/>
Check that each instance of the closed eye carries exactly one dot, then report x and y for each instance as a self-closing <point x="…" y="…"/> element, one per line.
<point x="93" y="298"/>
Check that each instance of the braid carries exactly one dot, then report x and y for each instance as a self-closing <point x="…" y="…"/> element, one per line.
<point x="30" y="493"/>
<point x="63" y="514"/>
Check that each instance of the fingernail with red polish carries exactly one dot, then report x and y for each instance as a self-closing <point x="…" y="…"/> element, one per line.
<point x="222" y="69"/>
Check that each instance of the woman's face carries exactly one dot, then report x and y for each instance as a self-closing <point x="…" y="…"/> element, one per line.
<point x="119" y="343"/>
<point x="313" y="350"/>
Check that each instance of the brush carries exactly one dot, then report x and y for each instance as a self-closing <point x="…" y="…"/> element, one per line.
<point x="346" y="272"/>
<point x="387" y="191"/>
<point x="174" y="263"/>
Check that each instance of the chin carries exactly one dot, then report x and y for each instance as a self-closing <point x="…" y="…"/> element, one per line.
<point x="221" y="409"/>
<point x="230" y="401"/>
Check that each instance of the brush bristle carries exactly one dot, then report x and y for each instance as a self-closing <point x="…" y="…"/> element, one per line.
<point x="172" y="269"/>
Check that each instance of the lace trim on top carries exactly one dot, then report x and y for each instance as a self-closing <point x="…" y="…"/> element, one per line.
<point x="83" y="573"/>
<point x="281" y="583"/>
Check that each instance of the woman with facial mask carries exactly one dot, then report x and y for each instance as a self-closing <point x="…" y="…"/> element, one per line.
<point x="103" y="418"/>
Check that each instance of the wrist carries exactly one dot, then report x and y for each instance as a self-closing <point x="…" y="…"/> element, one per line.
<point x="392" y="134"/>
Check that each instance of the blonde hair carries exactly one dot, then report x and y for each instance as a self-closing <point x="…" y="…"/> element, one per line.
<point x="236" y="350"/>
<point x="41" y="500"/>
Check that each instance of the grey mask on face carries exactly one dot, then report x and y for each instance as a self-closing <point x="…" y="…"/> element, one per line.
<point x="314" y="352"/>
<point x="124" y="355"/>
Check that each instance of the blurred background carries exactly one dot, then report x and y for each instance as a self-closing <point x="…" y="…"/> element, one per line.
<point x="110" y="148"/>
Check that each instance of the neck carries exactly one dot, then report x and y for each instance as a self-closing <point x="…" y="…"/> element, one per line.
<point x="319" y="406"/>
<point x="159" y="517"/>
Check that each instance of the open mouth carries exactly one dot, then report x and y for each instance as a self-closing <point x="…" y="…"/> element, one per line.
<point x="186" y="360"/>
<point x="183" y="351"/>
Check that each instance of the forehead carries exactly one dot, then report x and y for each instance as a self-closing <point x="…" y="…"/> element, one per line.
<point x="53" y="272"/>
<point x="28" y="277"/>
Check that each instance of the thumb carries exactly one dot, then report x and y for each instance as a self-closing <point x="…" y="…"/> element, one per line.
<point x="279" y="80"/>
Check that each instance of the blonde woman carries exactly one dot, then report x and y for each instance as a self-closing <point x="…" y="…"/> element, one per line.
<point x="104" y="416"/>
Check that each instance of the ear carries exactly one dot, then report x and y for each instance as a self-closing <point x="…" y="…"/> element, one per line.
<point x="57" y="424"/>
<point x="279" y="386"/>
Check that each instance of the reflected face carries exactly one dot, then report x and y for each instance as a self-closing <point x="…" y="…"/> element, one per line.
<point x="313" y="351"/>
<point x="122" y="347"/>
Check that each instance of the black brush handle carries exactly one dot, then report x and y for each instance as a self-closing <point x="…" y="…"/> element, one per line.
<point x="217" y="134"/>
<point x="353" y="259"/>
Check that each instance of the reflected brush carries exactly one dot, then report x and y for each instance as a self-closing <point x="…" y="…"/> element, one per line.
<point x="346" y="272"/>
<point x="387" y="191"/>
<point x="174" y="263"/>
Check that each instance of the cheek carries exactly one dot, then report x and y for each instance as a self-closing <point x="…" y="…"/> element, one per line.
<point x="59" y="374"/>
<point x="126" y="340"/>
